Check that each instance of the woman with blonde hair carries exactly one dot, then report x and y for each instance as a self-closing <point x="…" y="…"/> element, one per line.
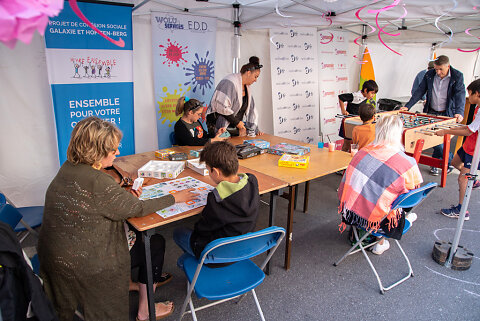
<point x="83" y="251"/>
<point x="188" y="130"/>
<point x="375" y="177"/>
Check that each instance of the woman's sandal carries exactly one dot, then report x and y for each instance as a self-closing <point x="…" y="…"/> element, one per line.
<point x="160" y="316"/>
<point x="164" y="279"/>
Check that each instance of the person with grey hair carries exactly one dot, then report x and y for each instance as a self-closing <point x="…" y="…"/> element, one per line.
<point x="419" y="77"/>
<point x="375" y="177"/>
<point x="445" y="90"/>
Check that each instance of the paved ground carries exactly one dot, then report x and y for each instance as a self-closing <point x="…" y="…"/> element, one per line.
<point x="313" y="289"/>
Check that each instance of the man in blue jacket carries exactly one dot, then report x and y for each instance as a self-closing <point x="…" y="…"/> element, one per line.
<point x="445" y="96"/>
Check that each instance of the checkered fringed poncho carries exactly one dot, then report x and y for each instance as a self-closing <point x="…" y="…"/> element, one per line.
<point x="375" y="177"/>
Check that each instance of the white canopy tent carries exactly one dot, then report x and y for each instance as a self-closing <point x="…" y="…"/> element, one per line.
<point x="29" y="157"/>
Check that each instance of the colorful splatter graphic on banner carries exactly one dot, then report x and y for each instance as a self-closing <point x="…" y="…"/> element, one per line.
<point x="167" y="105"/>
<point x="183" y="63"/>
<point x="173" y="53"/>
<point x="201" y="73"/>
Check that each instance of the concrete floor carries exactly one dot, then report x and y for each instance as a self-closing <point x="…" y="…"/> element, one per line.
<point x="313" y="289"/>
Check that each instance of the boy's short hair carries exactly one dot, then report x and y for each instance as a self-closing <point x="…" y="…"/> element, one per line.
<point x="221" y="155"/>
<point x="366" y="112"/>
<point x="474" y="86"/>
<point x="370" y="85"/>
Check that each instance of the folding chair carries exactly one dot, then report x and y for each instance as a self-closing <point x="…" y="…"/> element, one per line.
<point x="32" y="217"/>
<point x="11" y="216"/>
<point x="231" y="281"/>
<point x="408" y="200"/>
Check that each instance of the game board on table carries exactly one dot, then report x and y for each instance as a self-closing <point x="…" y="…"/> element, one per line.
<point x="170" y="187"/>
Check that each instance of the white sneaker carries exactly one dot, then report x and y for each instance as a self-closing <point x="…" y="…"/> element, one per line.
<point x="411" y="217"/>
<point x="380" y="248"/>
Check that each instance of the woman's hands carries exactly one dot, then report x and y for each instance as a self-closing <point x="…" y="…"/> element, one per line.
<point x="184" y="195"/>
<point x="137" y="192"/>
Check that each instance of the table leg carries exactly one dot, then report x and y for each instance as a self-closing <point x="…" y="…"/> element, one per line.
<point x="305" y="197"/>
<point x="148" y="260"/>
<point x="446" y="158"/>
<point x="295" y="201"/>
<point x="271" y="219"/>
<point x="288" y="242"/>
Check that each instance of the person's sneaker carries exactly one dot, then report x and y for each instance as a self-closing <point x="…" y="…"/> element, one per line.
<point x="476" y="184"/>
<point x="411" y="217"/>
<point x="380" y="248"/>
<point x="450" y="169"/>
<point x="434" y="171"/>
<point x="454" y="212"/>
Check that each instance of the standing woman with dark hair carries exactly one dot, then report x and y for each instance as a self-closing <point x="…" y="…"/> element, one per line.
<point x="188" y="130"/>
<point x="232" y="104"/>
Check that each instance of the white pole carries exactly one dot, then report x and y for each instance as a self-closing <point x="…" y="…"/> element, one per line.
<point x="466" y="200"/>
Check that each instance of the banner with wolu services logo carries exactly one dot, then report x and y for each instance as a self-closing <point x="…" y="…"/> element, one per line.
<point x="183" y="62"/>
<point x="293" y="55"/>
<point x="333" y="81"/>
<point x="90" y="68"/>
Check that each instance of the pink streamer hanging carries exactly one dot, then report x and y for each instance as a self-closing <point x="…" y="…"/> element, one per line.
<point x="473" y="50"/>
<point x="467" y="31"/>
<point x="357" y="14"/>
<point x="78" y="12"/>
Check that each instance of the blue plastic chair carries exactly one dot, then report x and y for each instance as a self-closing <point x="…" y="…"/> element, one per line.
<point x="231" y="281"/>
<point x="32" y="217"/>
<point x="11" y="216"/>
<point x="408" y="200"/>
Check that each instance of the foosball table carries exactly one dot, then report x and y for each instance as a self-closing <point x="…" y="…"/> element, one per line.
<point x="418" y="135"/>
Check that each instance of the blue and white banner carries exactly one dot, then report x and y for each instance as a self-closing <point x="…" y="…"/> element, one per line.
<point x="90" y="68"/>
<point x="183" y="62"/>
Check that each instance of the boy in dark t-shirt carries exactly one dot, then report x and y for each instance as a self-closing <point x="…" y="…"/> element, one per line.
<point x="354" y="100"/>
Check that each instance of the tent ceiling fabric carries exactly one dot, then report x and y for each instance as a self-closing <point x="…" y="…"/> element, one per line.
<point x="419" y="21"/>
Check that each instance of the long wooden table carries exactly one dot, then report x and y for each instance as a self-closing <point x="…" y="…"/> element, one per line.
<point x="147" y="224"/>
<point x="322" y="162"/>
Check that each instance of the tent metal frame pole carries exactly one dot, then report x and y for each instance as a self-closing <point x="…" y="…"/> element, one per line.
<point x="471" y="178"/>
<point x="362" y="50"/>
<point x="236" y="36"/>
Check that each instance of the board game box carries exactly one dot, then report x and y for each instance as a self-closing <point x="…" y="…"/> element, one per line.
<point x="173" y="186"/>
<point x="198" y="167"/>
<point x="296" y="161"/>
<point x="163" y="153"/>
<point x="161" y="169"/>
<point x="260" y="143"/>
<point x="285" y="148"/>
<point x="247" y="151"/>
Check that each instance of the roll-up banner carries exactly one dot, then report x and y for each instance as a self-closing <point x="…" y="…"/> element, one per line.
<point x="333" y="81"/>
<point x="294" y="71"/>
<point x="90" y="68"/>
<point x="184" y="62"/>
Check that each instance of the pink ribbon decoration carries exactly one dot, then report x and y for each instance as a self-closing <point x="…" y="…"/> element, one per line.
<point x="78" y="12"/>
<point x="357" y="14"/>
<point x="20" y="18"/>
<point x="468" y="33"/>
<point x="381" y="29"/>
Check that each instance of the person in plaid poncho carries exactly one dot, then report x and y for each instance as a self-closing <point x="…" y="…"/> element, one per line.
<point x="375" y="177"/>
